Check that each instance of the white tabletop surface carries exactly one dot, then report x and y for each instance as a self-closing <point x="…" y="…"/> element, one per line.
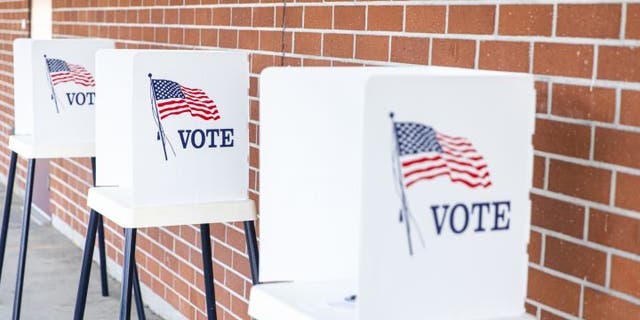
<point x="115" y="203"/>
<point x="25" y="146"/>
<point x="310" y="301"/>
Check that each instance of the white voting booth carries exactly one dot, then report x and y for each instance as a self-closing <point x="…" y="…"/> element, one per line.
<point x="172" y="146"/>
<point x="55" y="96"/>
<point x="407" y="188"/>
<point x="54" y="90"/>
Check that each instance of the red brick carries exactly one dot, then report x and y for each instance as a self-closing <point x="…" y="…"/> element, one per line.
<point x="579" y="181"/>
<point x="228" y="38"/>
<point x="553" y="291"/>
<point x="542" y="97"/>
<point x="614" y="230"/>
<point x="588" y="20"/>
<point x="204" y="16"/>
<point x="556" y="215"/>
<point x="625" y="275"/>
<point x="384" y="18"/>
<point x="627" y="191"/>
<point x="618" y="147"/>
<point x="425" y="19"/>
<point x="563" y="59"/>
<point x="349" y="17"/>
<point x="241" y="16"/>
<point x="632" y="30"/>
<point x="526" y="20"/>
<point x="564" y="138"/>
<point x="454" y="53"/>
<point x="248" y="39"/>
<point x="576" y="260"/>
<point x="410" y="50"/>
<point x="546" y="315"/>
<point x="372" y="47"/>
<point x="504" y="56"/>
<point x="317" y="17"/>
<point x="630" y="108"/>
<point x="619" y="63"/>
<point x="222" y="16"/>
<point x="471" y="19"/>
<point x="209" y="37"/>
<point x="308" y="43"/>
<point x="263" y="17"/>
<point x="535" y="247"/>
<point x="273" y="41"/>
<point x="582" y="102"/>
<point x="293" y="18"/>
<point x="538" y="172"/>
<point x="601" y="306"/>
<point x="338" y="45"/>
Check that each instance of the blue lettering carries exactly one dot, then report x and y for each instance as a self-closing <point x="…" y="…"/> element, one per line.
<point x="439" y="224"/>
<point x="452" y="218"/>
<point x="500" y="215"/>
<point x="197" y="133"/>
<point x="480" y="206"/>
<point x="184" y="139"/>
<point x="227" y="138"/>
<point x="212" y="133"/>
<point x="79" y="96"/>
<point x="70" y="96"/>
<point x="91" y="96"/>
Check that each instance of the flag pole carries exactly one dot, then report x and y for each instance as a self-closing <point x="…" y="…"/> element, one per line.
<point x="53" y="91"/>
<point x="404" y="211"/>
<point x="154" y="107"/>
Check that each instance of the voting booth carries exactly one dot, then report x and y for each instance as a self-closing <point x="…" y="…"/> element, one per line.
<point x="54" y="90"/>
<point x="415" y="183"/>
<point x="172" y="147"/>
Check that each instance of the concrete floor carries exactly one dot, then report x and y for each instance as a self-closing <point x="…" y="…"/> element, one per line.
<point x="51" y="277"/>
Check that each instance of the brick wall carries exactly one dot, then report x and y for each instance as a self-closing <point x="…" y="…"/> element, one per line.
<point x="14" y="15"/>
<point x="585" y="239"/>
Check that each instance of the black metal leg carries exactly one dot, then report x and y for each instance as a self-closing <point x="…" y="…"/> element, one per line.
<point x="207" y="268"/>
<point x="137" y="295"/>
<point x="101" y="246"/>
<point x="6" y="213"/>
<point x="103" y="257"/>
<point x="85" y="273"/>
<point x="127" y="273"/>
<point x="252" y="249"/>
<point x="26" y="217"/>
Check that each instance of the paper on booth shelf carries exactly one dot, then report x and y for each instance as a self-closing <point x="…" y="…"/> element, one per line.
<point x="55" y="89"/>
<point x="446" y="210"/>
<point x="183" y="122"/>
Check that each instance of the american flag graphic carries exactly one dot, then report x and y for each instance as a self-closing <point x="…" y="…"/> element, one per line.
<point x="173" y="99"/>
<point x="61" y="72"/>
<point x="426" y="154"/>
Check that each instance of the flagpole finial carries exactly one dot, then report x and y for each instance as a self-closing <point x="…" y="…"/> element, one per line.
<point x="391" y="115"/>
<point x="45" y="55"/>
<point x="149" y="74"/>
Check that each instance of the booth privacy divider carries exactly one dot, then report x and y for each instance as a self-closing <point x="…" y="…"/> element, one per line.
<point x="54" y="89"/>
<point x="416" y="182"/>
<point x="172" y="148"/>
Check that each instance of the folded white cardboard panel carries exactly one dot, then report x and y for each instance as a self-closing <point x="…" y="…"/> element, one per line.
<point x="55" y="89"/>
<point x="172" y="126"/>
<point x="414" y="181"/>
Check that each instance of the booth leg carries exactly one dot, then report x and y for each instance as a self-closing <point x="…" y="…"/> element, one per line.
<point x="127" y="273"/>
<point x="85" y="272"/>
<point x="26" y="218"/>
<point x="137" y="294"/>
<point x="252" y="249"/>
<point x="207" y="268"/>
<point x="6" y="213"/>
<point x="101" y="246"/>
<point x="103" y="257"/>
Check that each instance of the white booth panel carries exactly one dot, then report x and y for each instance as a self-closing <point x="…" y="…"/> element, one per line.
<point x="185" y="136"/>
